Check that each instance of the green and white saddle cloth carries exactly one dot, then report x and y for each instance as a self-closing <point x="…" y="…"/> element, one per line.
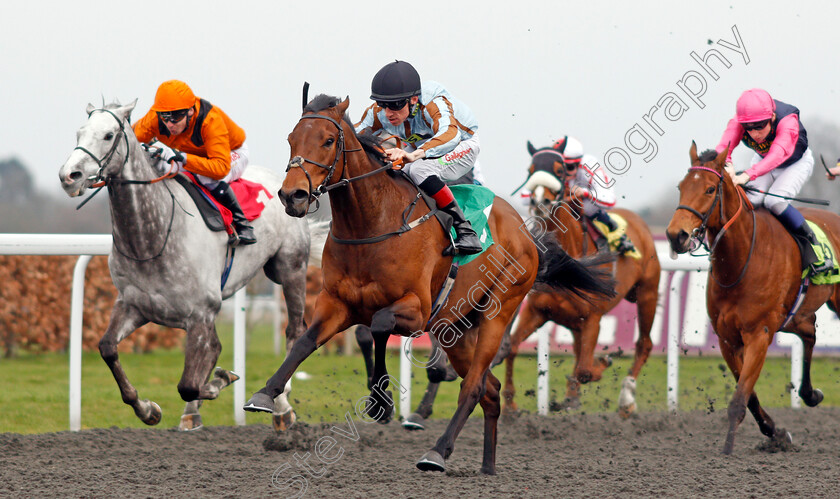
<point x="476" y="202"/>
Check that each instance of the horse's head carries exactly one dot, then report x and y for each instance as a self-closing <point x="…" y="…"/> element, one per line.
<point x="546" y="178"/>
<point x="701" y="199"/>
<point x="102" y="148"/>
<point x="317" y="146"/>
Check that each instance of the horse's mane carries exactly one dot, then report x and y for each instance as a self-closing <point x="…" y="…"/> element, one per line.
<point x="708" y="155"/>
<point x="370" y="143"/>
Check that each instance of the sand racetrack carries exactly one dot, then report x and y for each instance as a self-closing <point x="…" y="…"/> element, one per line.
<point x="579" y="455"/>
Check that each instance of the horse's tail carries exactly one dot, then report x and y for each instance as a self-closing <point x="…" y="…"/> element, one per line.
<point x="319" y="230"/>
<point x="582" y="277"/>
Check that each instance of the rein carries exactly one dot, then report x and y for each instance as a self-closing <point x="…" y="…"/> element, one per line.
<point x="699" y="233"/>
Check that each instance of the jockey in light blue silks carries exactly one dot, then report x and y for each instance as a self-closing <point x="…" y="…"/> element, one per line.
<point x="443" y="130"/>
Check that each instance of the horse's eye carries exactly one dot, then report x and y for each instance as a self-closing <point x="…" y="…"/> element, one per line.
<point x="109" y="135"/>
<point x="710" y="190"/>
<point x="330" y="141"/>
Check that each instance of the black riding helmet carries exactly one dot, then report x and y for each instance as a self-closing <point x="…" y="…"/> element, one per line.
<point x="395" y="82"/>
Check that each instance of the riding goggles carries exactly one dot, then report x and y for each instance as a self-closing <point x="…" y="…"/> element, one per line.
<point x="757" y="125"/>
<point x="393" y="106"/>
<point x="173" y="116"/>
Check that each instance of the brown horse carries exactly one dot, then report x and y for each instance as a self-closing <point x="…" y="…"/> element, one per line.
<point x="637" y="281"/>
<point x="372" y="276"/>
<point x="753" y="283"/>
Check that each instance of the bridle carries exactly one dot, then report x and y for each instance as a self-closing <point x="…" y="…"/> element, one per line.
<point x="99" y="178"/>
<point x="341" y="150"/>
<point x="698" y="235"/>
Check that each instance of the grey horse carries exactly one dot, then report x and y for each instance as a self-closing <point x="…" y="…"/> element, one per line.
<point x="168" y="266"/>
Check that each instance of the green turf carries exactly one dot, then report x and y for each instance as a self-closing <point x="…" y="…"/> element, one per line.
<point x="35" y="396"/>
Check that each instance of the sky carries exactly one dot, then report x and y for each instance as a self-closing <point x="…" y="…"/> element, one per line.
<point x="529" y="70"/>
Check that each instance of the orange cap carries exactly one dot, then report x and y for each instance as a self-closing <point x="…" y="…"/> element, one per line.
<point x="173" y="95"/>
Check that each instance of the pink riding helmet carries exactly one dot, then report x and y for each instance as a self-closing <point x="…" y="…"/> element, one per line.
<point x="754" y="105"/>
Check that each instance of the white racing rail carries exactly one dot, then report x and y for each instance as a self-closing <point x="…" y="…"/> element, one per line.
<point x="87" y="245"/>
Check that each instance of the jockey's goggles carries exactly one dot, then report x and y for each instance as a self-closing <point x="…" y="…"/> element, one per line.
<point x="757" y="125"/>
<point x="173" y="116"/>
<point x="393" y="106"/>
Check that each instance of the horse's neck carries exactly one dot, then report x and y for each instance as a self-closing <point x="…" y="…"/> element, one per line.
<point x="734" y="246"/>
<point x="565" y="222"/>
<point x="369" y="206"/>
<point x="139" y="212"/>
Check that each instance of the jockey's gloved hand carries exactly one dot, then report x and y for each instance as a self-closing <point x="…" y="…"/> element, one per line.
<point x="166" y="153"/>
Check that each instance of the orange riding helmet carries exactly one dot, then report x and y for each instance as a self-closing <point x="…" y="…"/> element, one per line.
<point x="173" y="95"/>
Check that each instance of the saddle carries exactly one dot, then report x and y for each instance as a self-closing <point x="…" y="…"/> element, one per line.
<point x="607" y="240"/>
<point x="251" y="197"/>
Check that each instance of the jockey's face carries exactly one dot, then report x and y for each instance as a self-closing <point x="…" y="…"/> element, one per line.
<point x="760" y="135"/>
<point x="180" y="125"/>
<point x="396" y="117"/>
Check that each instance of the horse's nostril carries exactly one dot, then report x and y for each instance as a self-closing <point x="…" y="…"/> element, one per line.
<point x="74" y="176"/>
<point x="300" y="195"/>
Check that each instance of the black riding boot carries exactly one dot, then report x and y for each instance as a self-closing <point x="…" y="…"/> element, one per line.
<point x="624" y="244"/>
<point x="466" y="240"/>
<point x="805" y="238"/>
<point x="244" y="232"/>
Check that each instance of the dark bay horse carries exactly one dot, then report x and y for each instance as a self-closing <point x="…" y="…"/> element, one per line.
<point x="168" y="267"/>
<point x="390" y="283"/>
<point x="753" y="283"/>
<point x="637" y="281"/>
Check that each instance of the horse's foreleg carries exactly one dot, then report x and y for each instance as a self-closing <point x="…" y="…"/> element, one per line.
<point x="201" y="351"/>
<point x="330" y="317"/>
<point x="754" y="353"/>
<point x="405" y="315"/>
<point x="588" y="368"/>
<point x="124" y="321"/>
<point x="365" y="340"/>
<point x="646" y="299"/>
<point x="529" y="321"/>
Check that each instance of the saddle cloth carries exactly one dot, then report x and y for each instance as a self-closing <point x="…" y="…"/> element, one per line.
<point x="823" y="249"/>
<point x="476" y="202"/>
<point x="614" y="236"/>
<point x="252" y="198"/>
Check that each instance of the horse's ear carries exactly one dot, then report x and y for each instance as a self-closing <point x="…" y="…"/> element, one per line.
<point x="343" y="105"/>
<point x="127" y="109"/>
<point x="720" y="160"/>
<point x="531" y="148"/>
<point x="693" y="153"/>
<point x="89" y="109"/>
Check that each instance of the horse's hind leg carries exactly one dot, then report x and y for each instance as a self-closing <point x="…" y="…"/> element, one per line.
<point x="291" y="274"/>
<point x="491" y="404"/>
<point x="124" y="321"/>
<point x="806" y="331"/>
<point x="646" y="297"/>
<point x="438" y="370"/>
<point x="529" y="321"/>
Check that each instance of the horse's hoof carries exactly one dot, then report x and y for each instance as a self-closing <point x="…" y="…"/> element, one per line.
<point x="259" y="402"/>
<point x="190" y="422"/>
<point x="815" y="399"/>
<point x="153" y="416"/>
<point x="228" y="376"/>
<point x="414" y="422"/>
<point x="431" y="461"/>
<point x="626" y="411"/>
<point x="606" y="361"/>
<point x="283" y="421"/>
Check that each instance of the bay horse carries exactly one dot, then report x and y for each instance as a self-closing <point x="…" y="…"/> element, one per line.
<point x="168" y="266"/>
<point x="753" y="283"/>
<point x="389" y="282"/>
<point x="637" y="281"/>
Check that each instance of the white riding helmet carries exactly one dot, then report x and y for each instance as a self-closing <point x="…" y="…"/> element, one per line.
<point x="570" y="148"/>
